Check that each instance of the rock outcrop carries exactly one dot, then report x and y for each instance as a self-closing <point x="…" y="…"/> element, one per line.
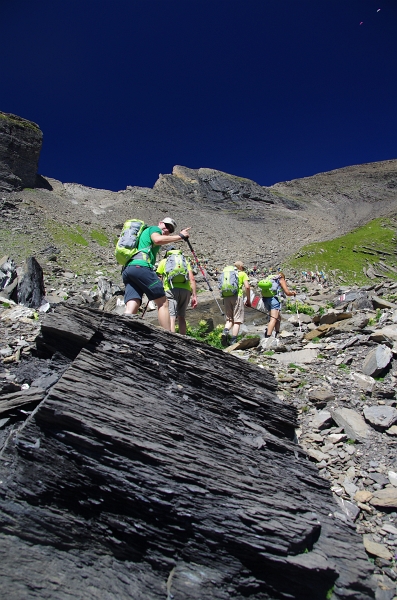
<point x="147" y="471"/>
<point x="20" y="146"/>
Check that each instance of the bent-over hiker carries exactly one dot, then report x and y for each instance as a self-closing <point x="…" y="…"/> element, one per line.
<point x="273" y="306"/>
<point x="139" y="276"/>
<point x="234" y="306"/>
<point x="179" y="288"/>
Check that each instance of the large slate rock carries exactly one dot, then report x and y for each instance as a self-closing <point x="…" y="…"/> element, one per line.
<point x="20" y="146"/>
<point x="380" y="417"/>
<point x="159" y="467"/>
<point x="377" y="360"/>
<point x="31" y="288"/>
<point x="353" y="423"/>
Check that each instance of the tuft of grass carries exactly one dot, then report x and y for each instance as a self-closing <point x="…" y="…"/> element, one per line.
<point x="349" y="254"/>
<point x="343" y="367"/>
<point x="100" y="237"/>
<point x="294" y="366"/>
<point x="296" y="306"/>
<point x="213" y="338"/>
<point x="65" y="234"/>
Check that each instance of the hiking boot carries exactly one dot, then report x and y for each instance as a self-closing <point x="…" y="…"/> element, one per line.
<point x="233" y="340"/>
<point x="225" y="338"/>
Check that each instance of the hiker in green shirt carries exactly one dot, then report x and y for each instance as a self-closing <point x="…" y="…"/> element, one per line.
<point x="139" y="276"/>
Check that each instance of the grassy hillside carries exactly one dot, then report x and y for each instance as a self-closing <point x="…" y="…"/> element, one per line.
<point x="348" y="257"/>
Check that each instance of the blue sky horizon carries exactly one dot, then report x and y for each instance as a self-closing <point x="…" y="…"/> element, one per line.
<point x="125" y="90"/>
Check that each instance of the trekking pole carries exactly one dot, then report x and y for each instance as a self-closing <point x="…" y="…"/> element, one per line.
<point x="204" y="275"/>
<point x="145" y="309"/>
<point x="297" y="312"/>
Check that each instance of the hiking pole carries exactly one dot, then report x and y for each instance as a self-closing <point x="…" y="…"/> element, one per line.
<point x="204" y="275"/>
<point x="145" y="309"/>
<point x="297" y="312"/>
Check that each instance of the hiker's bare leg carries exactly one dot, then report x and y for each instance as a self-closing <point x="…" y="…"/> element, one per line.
<point x="182" y="325"/>
<point x="274" y="315"/>
<point x="228" y="324"/>
<point x="236" y="329"/>
<point x="163" y="313"/>
<point x="132" y="306"/>
<point x="172" y="323"/>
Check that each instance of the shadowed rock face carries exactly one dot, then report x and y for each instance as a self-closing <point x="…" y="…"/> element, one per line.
<point x="20" y="146"/>
<point x="158" y="467"/>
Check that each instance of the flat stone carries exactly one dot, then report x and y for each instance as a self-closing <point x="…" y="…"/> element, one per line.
<point x="317" y="454"/>
<point x="392" y="430"/>
<point x="390" y="332"/>
<point x="332" y="316"/>
<point x="377" y="360"/>
<point x="380" y="417"/>
<point x="381" y="303"/>
<point x="364" y="382"/>
<point x="376" y="549"/>
<point x="321" y="396"/>
<point x="297" y="357"/>
<point x="353" y="423"/>
<point x="389" y="528"/>
<point x="386" y="498"/>
<point x="363" y="496"/>
<point x="392" y="478"/>
<point x="321" y="420"/>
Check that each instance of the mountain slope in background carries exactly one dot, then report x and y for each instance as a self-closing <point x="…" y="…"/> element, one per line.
<point x="231" y="217"/>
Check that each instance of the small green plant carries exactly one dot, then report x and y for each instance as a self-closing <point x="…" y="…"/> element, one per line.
<point x="321" y="356"/>
<point x="372" y="321"/>
<point x="321" y="311"/>
<point x="379" y="378"/>
<point x="316" y="340"/>
<point x="330" y="305"/>
<point x="329" y="594"/>
<point x="378" y="314"/>
<point x="5" y="305"/>
<point x="351" y="442"/>
<point x="305" y="408"/>
<point x="296" y="306"/>
<point x="294" y="366"/>
<point x="269" y="353"/>
<point x="343" y="367"/>
<point x="302" y="384"/>
<point x="200" y="333"/>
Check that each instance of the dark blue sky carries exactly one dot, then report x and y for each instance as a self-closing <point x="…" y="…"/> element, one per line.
<point x="271" y="90"/>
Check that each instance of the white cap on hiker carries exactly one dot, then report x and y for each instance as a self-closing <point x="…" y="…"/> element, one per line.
<point x="239" y="264"/>
<point x="171" y="225"/>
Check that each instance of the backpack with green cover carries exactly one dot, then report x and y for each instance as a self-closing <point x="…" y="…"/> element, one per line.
<point x="269" y="287"/>
<point x="228" y="282"/>
<point x="127" y="246"/>
<point x="176" y="268"/>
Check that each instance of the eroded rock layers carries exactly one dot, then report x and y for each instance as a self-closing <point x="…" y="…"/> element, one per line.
<point x="160" y="468"/>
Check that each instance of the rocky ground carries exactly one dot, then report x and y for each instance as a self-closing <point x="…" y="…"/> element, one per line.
<point x="338" y="367"/>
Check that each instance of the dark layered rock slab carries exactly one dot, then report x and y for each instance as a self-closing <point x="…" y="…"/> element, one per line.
<point x="159" y="467"/>
<point x="20" y="146"/>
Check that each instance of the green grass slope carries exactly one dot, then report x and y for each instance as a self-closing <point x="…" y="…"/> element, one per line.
<point x="373" y="246"/>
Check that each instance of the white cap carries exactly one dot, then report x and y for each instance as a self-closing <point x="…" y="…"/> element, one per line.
<point x="169" y="221"/>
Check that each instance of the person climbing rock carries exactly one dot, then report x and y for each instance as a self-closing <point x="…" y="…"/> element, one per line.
<point x="233" y="282"/>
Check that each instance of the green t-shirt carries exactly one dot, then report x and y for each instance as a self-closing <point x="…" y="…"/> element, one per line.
<point x="150" y="250"/>
<point x="242" y="276"/>
<point x="167" y="287"/>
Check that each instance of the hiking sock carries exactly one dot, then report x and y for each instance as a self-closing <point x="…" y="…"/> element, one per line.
<point x="266" y="336"/>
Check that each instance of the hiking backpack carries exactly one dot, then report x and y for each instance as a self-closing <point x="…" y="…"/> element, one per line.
<point x="228" y="282"/>
<point x="127" y="245"/>
<point x="269" y="286"/>
<point x="176" y="269"/>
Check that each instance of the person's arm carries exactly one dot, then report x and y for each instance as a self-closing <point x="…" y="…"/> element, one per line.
<point x="192" y="281"/>
<point x="162" y="240"/>
<point x="247" y="292"/>
<point x="285" y="289"/>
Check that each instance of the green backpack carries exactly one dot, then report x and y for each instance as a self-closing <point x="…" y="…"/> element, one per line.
<point x="228" y="282"/>
<point x="127" y="246"/>
<point x="269" y="287"/>
<point x="176" y="268"/>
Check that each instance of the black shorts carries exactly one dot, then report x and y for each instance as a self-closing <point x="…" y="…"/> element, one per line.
<point x="141" y="280"/>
